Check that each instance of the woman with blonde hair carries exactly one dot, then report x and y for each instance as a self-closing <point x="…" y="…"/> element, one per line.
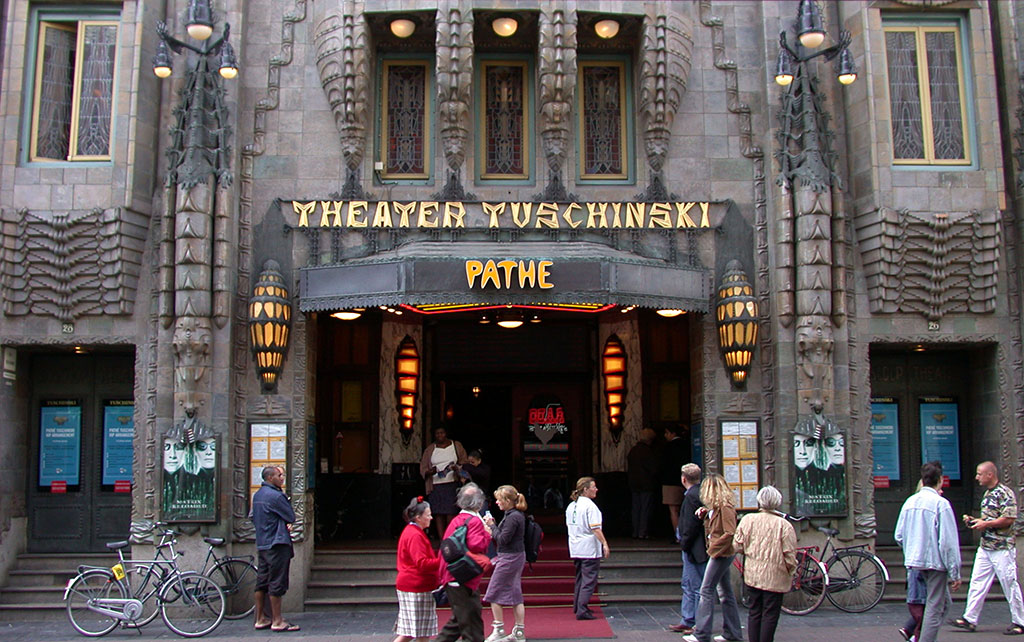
<point x="719" y="517"/>
<point x="587" y="543"/>
<point x="506" y="585"/>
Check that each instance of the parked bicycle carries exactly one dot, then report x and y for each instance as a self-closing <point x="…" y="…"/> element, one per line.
<point x="236" y="576"/>
<point x="131" y="593"/>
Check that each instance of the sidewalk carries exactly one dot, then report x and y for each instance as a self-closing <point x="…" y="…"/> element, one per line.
<point x="630" y="624"/>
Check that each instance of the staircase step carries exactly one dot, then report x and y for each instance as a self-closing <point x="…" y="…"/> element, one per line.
<point x="49" y="611"/>
<point x="31" y="594"/>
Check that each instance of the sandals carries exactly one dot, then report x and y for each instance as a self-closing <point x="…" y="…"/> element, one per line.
<point x="961" y="623"/>
<point x="287" y="628"/>
<point x="1015" y="629"/>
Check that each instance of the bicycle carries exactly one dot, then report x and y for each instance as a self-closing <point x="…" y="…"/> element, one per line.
<point x="99" y="599"/>
<point x="810" y="578"/>
<point x="235" y="575"/>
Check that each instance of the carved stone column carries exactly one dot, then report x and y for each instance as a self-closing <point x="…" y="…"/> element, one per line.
<point x="557" y="63"/>
<point x="454" y="84"/>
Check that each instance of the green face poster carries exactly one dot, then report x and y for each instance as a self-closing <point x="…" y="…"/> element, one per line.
<point x="190" y="480"/>
<point x="820" y="476"/>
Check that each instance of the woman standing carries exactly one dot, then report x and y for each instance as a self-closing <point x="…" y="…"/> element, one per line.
<point x="439" y="467"/>
<point x="769" y="543"/>
<point x="418" y="568"/>
<point x="719" y="526"/>
<point x="587" y="543"/>
<point x="506" y="585"/>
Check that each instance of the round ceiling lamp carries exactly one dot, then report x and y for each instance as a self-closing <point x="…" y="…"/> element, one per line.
<point x="199" y="19"/>
<point x="607" y="28"/>
<point x="403" y="27"/>
<point x="510" y="319"/>
<point x="670" y="312"/>
<point x="348" y="315"/>
<point x="505" y="26"/>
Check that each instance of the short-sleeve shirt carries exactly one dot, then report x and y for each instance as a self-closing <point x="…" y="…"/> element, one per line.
<point x="581" y="518"/>
<point x="997" y="502"/>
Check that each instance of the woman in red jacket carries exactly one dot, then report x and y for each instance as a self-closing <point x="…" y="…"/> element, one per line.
<point x="418" y="567"/>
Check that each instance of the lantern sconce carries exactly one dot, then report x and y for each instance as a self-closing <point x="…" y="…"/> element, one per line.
<point x="270" y="317"/>
<point x="613" y="370"/>
<point x="736" y="315"/>
<point x="407" y="377"/>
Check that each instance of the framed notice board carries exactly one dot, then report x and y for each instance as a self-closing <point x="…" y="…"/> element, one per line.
<point x="268" y="446"/>
<point x="741" y="463"/>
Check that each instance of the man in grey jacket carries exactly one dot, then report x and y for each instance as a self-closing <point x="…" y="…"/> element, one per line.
<point x="927" y="532"/>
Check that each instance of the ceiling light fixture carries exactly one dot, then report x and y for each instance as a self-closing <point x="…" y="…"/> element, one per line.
<point x="403" y="27"/>
<point x="607" y="28"/>
<point x="510" y="319"/>
<point x="669" y="313"/>
<point x="505" y="26"/>
<point x="349" y="315"/>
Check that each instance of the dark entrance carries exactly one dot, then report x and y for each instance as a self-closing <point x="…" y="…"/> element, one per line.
<point x="79" y="423"/>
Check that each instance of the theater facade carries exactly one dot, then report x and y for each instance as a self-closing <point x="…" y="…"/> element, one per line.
<point x="543" y="226"/>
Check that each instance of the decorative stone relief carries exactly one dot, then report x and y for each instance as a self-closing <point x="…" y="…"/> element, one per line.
<point x="613" y="453"/>
<point x="664" y="69"/>
<point x="557" y="71"/>
<point x="70" y="265"/>
<point x="931" y="264"/>
<point x="393" y="449"/>
<point x="341" y="46"/>
<point x="454" y="91"/>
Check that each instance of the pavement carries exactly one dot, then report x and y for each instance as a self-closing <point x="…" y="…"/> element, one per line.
<point x="629" y="623"/>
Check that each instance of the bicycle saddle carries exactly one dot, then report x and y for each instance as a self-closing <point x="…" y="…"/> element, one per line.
<point x="214" y="541"/>
<point x="117" y="545"/>
<point x="831" y="532"/>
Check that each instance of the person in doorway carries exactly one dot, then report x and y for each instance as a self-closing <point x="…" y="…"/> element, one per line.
<point x="997" y="555"/>
<point x="694" y="550"/>
<point x="642" y="476"/>
<point x="466" y="621"/>
<point x="506" y="585"/>
<point x="926" y="531"/>
<point x="719" y="517"/>
<point x="418" y="568"/>
<point x="439" y="467"/>
<point x="769" y="544"/>
<point x="672" y="459"/>
<point x="272" y="518"/>
<point x="477" y="470"/>
<point x="587" y="543"/>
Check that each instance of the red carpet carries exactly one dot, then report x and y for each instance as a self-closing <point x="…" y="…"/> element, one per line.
<point x="548" y="623"/>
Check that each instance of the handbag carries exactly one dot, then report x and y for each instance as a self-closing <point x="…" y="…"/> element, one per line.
<point x="440" y="596"/>
<point x="463" y="564"/>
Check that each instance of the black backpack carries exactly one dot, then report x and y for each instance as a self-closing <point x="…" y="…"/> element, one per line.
<point x="456" y="554"/>
<point x="533" y="535"/>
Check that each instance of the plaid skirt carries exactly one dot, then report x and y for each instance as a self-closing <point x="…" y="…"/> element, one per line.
<point x="417" y="615"/>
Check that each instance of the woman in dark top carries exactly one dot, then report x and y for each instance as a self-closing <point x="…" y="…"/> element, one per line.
<point x="506" y="585"/>
<point x="476" y="470"/>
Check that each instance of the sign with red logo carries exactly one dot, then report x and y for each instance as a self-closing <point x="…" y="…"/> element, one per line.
<point x="122" y="486"/>
<point x="881" y="481"/>
<point x="546" y="427"/>
<point x="945" y="481"/>
<point x="58" y="486"/>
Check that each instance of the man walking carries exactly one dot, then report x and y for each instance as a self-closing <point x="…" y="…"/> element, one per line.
<point x="695" y="550"/>
<point x="272" y="516"/>
<point x="997" y="555"/>
<point x="926" y="531"/>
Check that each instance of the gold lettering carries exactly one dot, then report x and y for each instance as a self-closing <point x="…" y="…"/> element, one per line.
<point x="473" y="270"/>
<point x="527" y="209"/>
<point x="329" y="209"/>
<point x="635" y="214"/>
<point x="303" y="210"/>
<point x="661" y="215"/>
<point x="547" y="215"/>
<point x="543" y="274"/>
<point x="494" y="211"/>
<point x="527" y="272"/>
<point x="616" y="209"/>
<point x="490" y="274"/>
<point x="403" y="212"/>
<point x="427" y="209"/>
<point x="704" y="222"/>
<point x="454" y="213"/>
<point x="567" y="215"/>
<point x="508" y="266"/>
<point x="682" y="215"/>
<point x="382" y="215"/>
<point x="356" y="209"/>
<point x="597" y="210"/>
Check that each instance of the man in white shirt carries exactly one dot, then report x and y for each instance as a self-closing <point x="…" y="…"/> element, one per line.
<point x="587" y="543"/>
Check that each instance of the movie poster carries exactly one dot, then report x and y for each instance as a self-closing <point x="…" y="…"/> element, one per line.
<point x="820" y="478"/>
<point x="190" y="480"/>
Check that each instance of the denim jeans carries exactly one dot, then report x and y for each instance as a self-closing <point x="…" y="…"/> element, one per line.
<point x="693" y="575"/>
<point x="937" y="605"/>
<point x="716" y="579"/>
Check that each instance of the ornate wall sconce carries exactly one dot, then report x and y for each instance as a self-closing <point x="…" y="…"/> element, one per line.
<point x="407" y="377"/>
<point x="613" y="370"/>
<point x="736" y="315"/>
<point x="270" y="318"/>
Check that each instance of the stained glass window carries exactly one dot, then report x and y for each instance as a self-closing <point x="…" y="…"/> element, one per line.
<point x="406" y="143"/>
<point x="927" y="95"/>
<point x="74" y="91"/>
<point x="602" y="118"/>
<point x="505" y="117"/>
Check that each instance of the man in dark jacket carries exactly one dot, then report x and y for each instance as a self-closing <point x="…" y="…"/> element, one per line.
<point x="642" y="475"/>
<point x="272" y="517"/>
<point x="674" y="455"/>
<point x="694" y="545"/>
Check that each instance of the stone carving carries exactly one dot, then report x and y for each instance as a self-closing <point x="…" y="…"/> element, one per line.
<point x="341" y="46"/>
<point x="664" y="69"/>
<point x="557" y="70"/>
<point x="931" y="264"/>
<point x="454" y="84"/>
<point x="70" y="265"/>
<point x="815" y="342"/>
<point x="192" y="338"/>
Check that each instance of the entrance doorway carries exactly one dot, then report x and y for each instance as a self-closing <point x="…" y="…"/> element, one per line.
<point x="80" y="463"/>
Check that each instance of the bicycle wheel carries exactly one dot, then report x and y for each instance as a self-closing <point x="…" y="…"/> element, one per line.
<point x="237" y="578"/>
<point x="191" y="604"/>
<point x="92" y="585"/>
<point x="856" y="581"/>
<point x="808" y="590"/>
<point x="145" y="588"/>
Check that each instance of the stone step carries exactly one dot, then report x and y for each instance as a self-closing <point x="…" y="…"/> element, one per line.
<point x="31" y="594"/>
<point x="63" y="561"/>
<point x="49" y="611"/>
<point x="33" y="577"/>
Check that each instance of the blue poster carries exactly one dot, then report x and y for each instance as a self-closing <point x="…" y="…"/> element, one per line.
<point x="60" y="442"/>
<point x="940" y="435"/>
<point x="118" y="435"/>
<point x="885" y="438"/>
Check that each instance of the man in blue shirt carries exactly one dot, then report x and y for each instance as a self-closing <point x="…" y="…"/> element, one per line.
<point x="272" y="515"/>
<point x="927" y="532"/>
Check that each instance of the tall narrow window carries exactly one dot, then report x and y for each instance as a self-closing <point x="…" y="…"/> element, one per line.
<point x="406" y="143"/>
<point x="73" y="104"/>
<point x="602" y="120"/>
<point x="505" y="120"/>
<point x="927" y="95"/>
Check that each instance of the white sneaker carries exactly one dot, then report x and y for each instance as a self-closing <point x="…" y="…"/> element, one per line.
<point x="690" y="638"/>
<point x="497" y="633"/>
<point x="517" y="635"/>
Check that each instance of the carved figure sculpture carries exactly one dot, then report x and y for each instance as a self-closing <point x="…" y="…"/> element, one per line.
<point x="557" y="62"/>
<point x="454" y="81"/>
<point x="191" y="342"/>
